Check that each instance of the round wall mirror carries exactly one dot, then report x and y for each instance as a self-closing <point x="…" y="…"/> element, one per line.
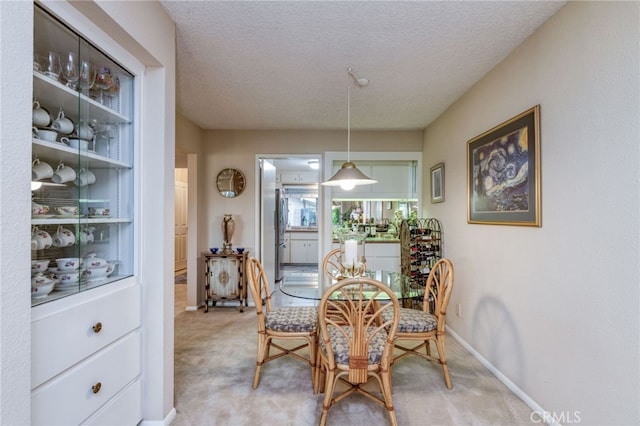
<point x="230" y="183"/>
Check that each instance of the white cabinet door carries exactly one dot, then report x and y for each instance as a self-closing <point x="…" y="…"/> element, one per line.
<point x="298" y="251"/>
<point x="312" y="251"/>
<point x="304" y="251"/>
<point x="308" y="177"/>
<point x="298" y="177"/>
<point x="289" y="177"/>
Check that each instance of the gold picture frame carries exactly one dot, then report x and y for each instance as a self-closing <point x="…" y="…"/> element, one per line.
<point x="503" y="173"/>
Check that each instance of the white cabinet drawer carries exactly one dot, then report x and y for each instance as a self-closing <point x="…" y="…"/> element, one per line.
<point x="124" y="409"/>
<point x="70" y="398"/>
<point x="66" y="337"/>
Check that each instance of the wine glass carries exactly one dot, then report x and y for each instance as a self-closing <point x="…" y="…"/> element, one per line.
<point x="71" y="71"/>
<point x="51" y="65"/>
<point x="103" y="130"/>
<point x="87" y="76"/>
<point x="114" y="90"/>
<point x="104" y="81"/>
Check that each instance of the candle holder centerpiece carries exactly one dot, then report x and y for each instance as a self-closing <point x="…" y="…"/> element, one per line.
<point x="353" y="260"/>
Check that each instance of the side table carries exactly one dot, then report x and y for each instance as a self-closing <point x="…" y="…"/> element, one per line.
<point x="225" y="278"/>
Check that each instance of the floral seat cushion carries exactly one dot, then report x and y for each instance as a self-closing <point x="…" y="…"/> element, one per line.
<point x="292" y="319"/>
<point x="413" y="321"/>
<point x="340" y="345"/>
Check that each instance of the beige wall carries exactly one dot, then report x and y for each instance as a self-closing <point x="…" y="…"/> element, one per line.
<point x="238" y="149"/>
<point x="188" y="139"/>
<point x="555" y="309"/>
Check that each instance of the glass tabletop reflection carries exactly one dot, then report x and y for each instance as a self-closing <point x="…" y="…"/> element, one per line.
<point x="401" y="285"/>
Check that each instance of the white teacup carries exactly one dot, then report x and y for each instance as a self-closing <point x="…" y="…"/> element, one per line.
<point x="99" y="211"/>
<point x="67" y="210"/>
<point x="74" y="143"/>
<point x="84" y="131"/>
<point x="63" y="124"/>
<point x="85" y="236"/>
<point x="41" y="116"/>
<point x="45" y="134"/>
<point x="85" y="177"/>
<point x="41" y="170"/>
<point x="63" y="174"/>
<point x="63" y="237"/>
<point x="38" y="209"/>
<point x="42" y="238"/>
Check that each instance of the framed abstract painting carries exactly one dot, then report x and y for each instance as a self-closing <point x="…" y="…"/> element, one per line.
<point x="503" y="173"/>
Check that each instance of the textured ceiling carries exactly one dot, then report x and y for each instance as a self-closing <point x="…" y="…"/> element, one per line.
<point x="283" y="65"/>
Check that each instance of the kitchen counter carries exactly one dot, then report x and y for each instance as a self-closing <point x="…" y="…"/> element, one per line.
<point x="302" y="229"/>
<point x="377" y="240"/>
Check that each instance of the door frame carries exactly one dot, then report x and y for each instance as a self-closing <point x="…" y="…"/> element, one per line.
<point x="320" y="214"/>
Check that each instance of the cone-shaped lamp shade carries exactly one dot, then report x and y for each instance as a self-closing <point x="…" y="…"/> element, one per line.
<point x="348" y="177"/>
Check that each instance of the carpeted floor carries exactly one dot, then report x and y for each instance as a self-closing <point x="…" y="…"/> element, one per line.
<point x="215" y="361"/>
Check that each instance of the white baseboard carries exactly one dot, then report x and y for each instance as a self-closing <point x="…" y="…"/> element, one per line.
<point x="505" y="380"/>
<point x="165" y="422"/>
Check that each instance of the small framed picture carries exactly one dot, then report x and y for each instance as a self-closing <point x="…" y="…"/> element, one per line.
<point x="437" y="183"/>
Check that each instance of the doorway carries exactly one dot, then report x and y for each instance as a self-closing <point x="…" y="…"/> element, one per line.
<point x="181" y="219"/>
<point x="281" y="217"/>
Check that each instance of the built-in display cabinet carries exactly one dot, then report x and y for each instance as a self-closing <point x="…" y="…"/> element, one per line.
<point x="82" y="178"/>
<point x="86" y="303"/>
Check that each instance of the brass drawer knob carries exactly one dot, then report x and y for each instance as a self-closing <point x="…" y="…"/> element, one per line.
<point x="96" y="388"/>
<point x="97" y="327"/>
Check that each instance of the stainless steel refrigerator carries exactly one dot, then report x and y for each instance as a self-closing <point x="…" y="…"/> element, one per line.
<point x="281" y="225"/>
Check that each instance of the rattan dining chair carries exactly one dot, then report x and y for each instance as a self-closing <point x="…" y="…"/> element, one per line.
<point x="423" y="326"/>
<point x="287" y="323"/>
<point x="356" y="343"/>
<point x="331" y="264"/>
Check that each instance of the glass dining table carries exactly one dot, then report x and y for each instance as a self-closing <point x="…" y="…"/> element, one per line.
<point x="402" y="286"/>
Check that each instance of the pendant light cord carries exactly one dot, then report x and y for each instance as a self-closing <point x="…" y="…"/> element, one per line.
<point x="349" y="117"/>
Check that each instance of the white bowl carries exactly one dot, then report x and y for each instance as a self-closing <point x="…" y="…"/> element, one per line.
<point x="40" y="291"/>
<point x="67" y="277"/>
<point x="99" y="273"/>
<point x="39" y="266"/>
<point x="68" y="263"/>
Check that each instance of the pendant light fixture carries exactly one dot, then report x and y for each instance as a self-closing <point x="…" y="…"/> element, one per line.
<point x="349" y="176"/>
